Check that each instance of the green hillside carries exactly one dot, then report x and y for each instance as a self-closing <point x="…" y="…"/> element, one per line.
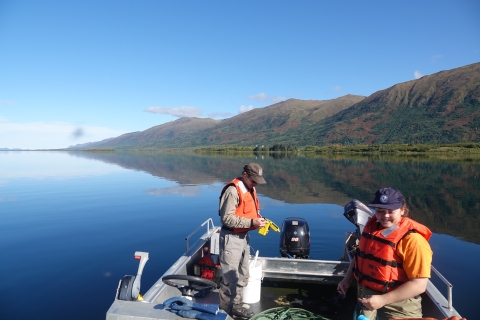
<point x="440" y="108"/>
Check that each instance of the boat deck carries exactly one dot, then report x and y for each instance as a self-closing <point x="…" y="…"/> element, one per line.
<point x="320" y="300"/>
<point x="298" y="283"/>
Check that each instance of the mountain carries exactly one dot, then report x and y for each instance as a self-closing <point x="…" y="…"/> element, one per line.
<point x="169" y="135"/>
<point x="440" y="108"/>
<point x="266" y="125"/>
<point x="258" y="126"/>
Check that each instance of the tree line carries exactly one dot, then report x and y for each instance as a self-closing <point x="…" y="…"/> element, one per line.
<point x="467" y="147"/>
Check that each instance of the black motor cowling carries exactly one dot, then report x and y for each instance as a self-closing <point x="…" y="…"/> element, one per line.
<point x="295" y="238"/>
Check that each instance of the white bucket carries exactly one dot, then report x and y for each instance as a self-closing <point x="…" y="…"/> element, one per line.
<point x="251" y="293"/>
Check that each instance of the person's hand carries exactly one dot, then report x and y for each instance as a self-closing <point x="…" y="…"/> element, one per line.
<point x="258" y="223"/>
<point x="373" y="302"/>
<point x="343" y="286"/>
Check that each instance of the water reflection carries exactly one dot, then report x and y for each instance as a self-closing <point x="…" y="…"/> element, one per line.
<point x="442" y="192"/>
<point x="184" y="191"/>
<point x="18" y="165"/>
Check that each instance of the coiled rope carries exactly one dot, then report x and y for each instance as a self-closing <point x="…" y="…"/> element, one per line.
<point x="287" y="313"/>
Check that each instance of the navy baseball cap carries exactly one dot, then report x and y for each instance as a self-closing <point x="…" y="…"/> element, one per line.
<point x="387" y="198"/>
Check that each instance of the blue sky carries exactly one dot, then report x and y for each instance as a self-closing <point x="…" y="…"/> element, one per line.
<point x="80" y="71"/>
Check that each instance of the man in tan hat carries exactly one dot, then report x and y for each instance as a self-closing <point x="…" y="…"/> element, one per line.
<point x="239" y="213"/>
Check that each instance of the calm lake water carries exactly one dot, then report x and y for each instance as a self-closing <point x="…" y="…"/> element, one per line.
<point x="71" y="221"/>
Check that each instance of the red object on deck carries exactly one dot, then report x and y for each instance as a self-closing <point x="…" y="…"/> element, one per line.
<point x="207" y="267"/>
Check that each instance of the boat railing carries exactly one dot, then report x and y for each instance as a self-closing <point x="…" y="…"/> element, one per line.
<point x="348" y="254"/>
<point x="449" y="287"/>
<point x="210" y="227"/>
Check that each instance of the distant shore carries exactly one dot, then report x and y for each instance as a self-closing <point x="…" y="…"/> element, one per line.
<point x="456" y="148"/>
<point x="399" y="148"/>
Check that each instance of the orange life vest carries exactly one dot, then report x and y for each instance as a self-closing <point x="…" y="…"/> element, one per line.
<point x="378" y="266"/>
<point x="248" y="207"/>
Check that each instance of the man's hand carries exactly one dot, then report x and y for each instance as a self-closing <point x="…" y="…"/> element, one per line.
<point x="258" y="223"/>
<point x="343" y="286"/>
<point x="372" y="302"/>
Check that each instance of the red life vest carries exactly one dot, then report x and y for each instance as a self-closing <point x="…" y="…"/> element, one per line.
<point x="377" y="264"/>
<point x="248" y="207"/>
<point x="208" y="268"/>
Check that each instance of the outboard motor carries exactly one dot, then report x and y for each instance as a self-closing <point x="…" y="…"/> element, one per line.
<point x="295" y="238"/>
<point x="358" y="214"/>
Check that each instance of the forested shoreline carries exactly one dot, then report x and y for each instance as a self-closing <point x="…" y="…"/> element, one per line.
<point x="469" y="147"/>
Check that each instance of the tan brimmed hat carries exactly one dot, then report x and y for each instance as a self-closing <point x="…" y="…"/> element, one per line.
<point x="254" y="171"/>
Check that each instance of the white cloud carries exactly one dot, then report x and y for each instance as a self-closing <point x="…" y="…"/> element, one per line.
<point x="261" y="97"/>
<point x="277" y="99"/>
<point x="214" y="115"/>
<point x="337" y="89"/>
<point x="41" y="135"/>
<point x="50" y="165"/>
<point x="245" y="108"/>
<point x="436" y="57"/>
<point x="7" y="199"/>
<point x="177" y="112"/>
<point x="417" y="74"/>
<point x="7" y="103"/>
<point x="185" y="191"/>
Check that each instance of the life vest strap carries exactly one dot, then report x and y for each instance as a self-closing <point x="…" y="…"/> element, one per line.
<point x="372" y="237"/>
<point x="385" y="284"/>
<point x="383" y="262"/>
<point x="221" y="194"/>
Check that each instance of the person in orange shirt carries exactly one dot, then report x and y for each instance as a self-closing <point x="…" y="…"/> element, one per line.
<point x="392" y="264"/>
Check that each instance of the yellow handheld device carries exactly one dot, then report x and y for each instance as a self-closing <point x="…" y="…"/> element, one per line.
<point x="268" y="224"/>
